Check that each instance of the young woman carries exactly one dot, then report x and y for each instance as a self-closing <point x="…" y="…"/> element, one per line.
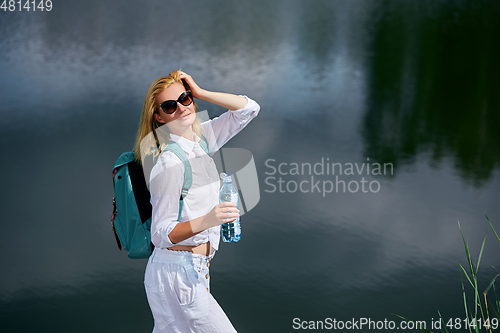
<point x="177" y="279"/>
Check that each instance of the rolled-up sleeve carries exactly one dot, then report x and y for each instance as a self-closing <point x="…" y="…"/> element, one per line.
<point x="165" y="187"/>
<point x="221" y="129"/>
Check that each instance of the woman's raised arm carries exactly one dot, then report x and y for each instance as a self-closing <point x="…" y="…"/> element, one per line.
<point x="228" y="101"/>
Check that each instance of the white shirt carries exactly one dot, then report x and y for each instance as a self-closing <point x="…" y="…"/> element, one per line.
<point x="167" y="177"/>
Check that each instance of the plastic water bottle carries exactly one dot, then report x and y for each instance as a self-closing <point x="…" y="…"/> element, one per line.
<point x="231" y="232"/>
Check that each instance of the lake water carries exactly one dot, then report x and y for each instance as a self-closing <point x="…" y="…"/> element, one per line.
<point x="410" y="84"/>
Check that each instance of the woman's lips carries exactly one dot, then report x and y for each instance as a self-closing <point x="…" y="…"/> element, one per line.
<point x="184" y="116"/>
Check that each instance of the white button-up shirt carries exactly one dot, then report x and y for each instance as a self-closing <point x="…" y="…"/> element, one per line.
<point x="167" y="177"/>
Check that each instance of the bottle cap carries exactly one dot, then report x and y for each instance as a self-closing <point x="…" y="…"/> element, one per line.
<point x="225" y="177"/>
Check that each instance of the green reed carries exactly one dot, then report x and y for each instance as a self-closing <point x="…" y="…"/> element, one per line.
<point x="483" y="310"/>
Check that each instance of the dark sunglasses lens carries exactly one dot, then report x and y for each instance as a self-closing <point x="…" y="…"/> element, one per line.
<point x="186" y="99"/>
<point x="169" y="107"/>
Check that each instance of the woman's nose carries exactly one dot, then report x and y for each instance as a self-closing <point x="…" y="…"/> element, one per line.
<point x="179" y="104"/>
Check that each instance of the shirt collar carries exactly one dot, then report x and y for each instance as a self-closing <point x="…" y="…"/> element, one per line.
<point x="186" y="145"/>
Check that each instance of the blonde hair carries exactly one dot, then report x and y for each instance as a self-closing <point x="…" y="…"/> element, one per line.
<point x="147" y="141"/>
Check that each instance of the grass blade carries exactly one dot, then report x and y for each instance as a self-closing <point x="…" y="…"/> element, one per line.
<point x="442" y="321"/>
<point x="491" y="284"/>
<point x="466" y="250"/>
<point x="481" y="252"/>
<point x="420" y="327"/>
<point x="467" y="276"/>
<point x="491" y="225"/>
<point x="465" y="304"/>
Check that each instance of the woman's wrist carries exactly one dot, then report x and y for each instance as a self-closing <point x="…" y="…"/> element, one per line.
<point x="197" y="224"/>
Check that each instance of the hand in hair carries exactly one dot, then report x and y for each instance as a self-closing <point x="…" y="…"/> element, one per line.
<point x="195" y="89"/>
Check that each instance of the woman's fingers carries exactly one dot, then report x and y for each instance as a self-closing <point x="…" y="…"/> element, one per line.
<point x="223" y="212"/>
<point x="189" y="80"/>
<point x="228" y="210"/>
<point x="229" y="218"/>
<point x="228" y="207"/>
<point x="195" y="89"/>
<point x="232" y="213"/>
<point x="227" y="204"/>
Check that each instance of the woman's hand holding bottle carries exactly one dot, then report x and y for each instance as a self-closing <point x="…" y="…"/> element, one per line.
<point x="222" y="213"/>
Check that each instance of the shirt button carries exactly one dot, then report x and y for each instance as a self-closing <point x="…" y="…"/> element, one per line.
<point x="207" y="275"/>
<point x="208" y="264"/>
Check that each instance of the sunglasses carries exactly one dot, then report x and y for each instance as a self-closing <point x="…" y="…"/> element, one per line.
<point x="170" y="106"/>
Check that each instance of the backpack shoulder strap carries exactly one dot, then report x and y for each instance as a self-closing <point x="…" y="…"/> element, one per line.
<point x="124" y="158"/>
<point x="204" y="144"/>
<point x="188" y="180"/>
<point x="188" y="174"/>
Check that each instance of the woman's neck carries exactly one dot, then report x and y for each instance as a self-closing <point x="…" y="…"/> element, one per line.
<point x="186" y="133"/>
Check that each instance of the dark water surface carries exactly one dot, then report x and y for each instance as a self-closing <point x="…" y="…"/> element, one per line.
<point x="410" y="83"/>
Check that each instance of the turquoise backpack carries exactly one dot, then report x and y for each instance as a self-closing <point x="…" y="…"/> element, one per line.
<point x="131" y="218"/>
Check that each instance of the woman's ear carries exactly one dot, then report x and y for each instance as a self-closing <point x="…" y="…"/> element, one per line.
<point x="158" y="118"/>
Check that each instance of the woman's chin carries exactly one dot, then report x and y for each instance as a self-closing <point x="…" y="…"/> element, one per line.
<point x="185" y="121"/>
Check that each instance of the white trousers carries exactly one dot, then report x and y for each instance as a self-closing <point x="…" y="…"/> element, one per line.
<point x="177" y="285"/>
